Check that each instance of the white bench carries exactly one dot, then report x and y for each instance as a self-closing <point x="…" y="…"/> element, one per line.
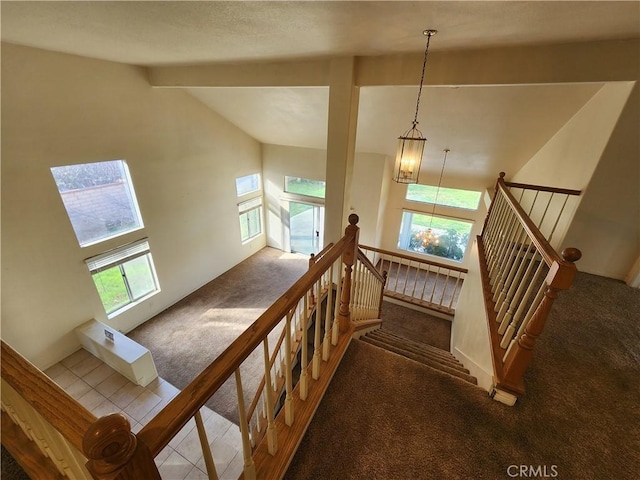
<point x="122" y="354"/>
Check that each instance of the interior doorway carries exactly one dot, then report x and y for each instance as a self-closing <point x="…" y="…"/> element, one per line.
<point x="306" y="227"/>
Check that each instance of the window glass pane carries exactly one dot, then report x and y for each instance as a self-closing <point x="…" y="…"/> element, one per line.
<point x="99" y="199"/>
<point x="250" y="224"/>
<point x="449" y="197"/>
<point x="304" y="186"/>
<point x="448" y="237"/>
<point x="140" y="276"/>
<point x="111" y="289"/>
<point x="248" y="184"/>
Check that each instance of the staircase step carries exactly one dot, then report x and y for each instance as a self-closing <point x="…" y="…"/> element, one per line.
<point x="447" y="361"/>
<point x="459" y="372"/>
<point x="408" y="344"/>
<point x="432" y="365"/>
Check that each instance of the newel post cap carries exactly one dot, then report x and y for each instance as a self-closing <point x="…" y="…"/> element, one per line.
<point x="571" y="254"/>
<point x="109" y="443"/>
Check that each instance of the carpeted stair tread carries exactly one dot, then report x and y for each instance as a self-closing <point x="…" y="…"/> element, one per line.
<point x="409" y="344"/>
<point x="444" y="357"/>
<point x="427" y="362"/>
<point x="436" y="362"/>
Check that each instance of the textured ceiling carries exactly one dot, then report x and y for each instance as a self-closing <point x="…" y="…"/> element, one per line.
<point x="488" y="129"/>
<point x="159" y="33"/>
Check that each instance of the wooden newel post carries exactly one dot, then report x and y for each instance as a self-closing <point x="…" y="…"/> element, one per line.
<point x="348" y="258"/>
<point x="560" y="277"/>
<point x="114" y="452"/>
<point x="384" y="284"/>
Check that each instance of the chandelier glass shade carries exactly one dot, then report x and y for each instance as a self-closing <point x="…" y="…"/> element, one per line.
<point x="411" y="143"/>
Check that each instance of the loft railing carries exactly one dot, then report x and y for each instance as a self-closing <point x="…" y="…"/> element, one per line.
<point x="521" y="275"/>
<point x="419" y="281"/>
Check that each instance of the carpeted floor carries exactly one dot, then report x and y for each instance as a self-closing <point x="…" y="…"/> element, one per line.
<point x="416" y="325"/>
<point x="387" y="418"/>
<point x="189" y="335"/>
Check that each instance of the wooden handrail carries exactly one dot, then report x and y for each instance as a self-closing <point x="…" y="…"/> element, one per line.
<point x="57" y="407"/>
<point x="542" y="245"/>
<point x="414" y="259"/>
<point x="314" y="257"/>
<point x="369" y="266"/>
<point x="540" y="188"/>
<point x="166" y="424"/>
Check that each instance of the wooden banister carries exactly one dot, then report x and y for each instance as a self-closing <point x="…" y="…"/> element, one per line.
<point x="513" y="242"/>
<point x="55" y="405"/>
<point x="362" y="257"/>
<point x="542" y="245"/>
<point x="540" y="188"/>
<point x="166" y="424"/>
<point x="414" y="259"/>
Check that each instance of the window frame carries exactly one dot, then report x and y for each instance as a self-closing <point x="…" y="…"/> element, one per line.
<point x="118" y="257"/>
<point x="246" y="207"/>
<point x="248" y="192"/>
<point x="130" y="193"/>
<point x="304" y="195"/>
<point x="404" y="235"/>
<point x="435" y="202"/>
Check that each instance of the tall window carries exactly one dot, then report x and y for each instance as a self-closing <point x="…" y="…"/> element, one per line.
<point x="101" y="204"/>
<point x="248" y="184"/>
<point x="304" y="186"/>
<point x="124" y="276"/>
<point x="250" y="218"/>
<point x="99" y="199"/>
<point x="449" y="197"/>
<point x="452" y="235"/>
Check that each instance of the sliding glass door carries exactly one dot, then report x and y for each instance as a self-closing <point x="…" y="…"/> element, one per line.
<point x="306" y="227"/>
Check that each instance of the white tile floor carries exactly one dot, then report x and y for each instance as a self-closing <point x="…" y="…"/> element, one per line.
<point x="102" y="390"/>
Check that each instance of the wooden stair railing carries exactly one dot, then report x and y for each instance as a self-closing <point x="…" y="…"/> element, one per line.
<point x="419" y="281"/>
<point x="521" y="276"/>
<point x="52" y="436"/>
<point x="84" y="447"/>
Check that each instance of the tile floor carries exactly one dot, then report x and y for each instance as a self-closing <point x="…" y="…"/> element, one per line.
<point x="102" y="390"/>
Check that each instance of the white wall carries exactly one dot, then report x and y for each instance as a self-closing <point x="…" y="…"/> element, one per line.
<point x="368" y="191"/>
<point x="596" y="151"/>
<point x="61" y="109"/>
<point x="469" y="331"/>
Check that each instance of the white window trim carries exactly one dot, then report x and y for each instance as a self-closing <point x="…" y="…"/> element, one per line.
<point x="247" y="206"/>
<point x="259" y="189"/>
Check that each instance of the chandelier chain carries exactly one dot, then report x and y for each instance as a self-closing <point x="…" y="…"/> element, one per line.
<point x="424" y="67"/>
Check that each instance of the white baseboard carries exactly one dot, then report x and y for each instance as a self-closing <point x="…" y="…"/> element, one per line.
<point x="485" y="379"/>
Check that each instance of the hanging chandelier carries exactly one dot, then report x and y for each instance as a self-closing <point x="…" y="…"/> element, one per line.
<point x="428" y="236"/>
<point x="411" y="143"/>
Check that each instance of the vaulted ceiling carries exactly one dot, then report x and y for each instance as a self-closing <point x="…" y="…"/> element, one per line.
<point x="488" y="128"/>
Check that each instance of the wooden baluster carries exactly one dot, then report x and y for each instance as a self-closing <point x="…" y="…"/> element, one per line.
<point x="249" y="466"/>
<point x="336" y="316"/>
<point x="426" y="280"/>
<point x="288" y="402"/>
<point x="553" y="230"/>
<point x="348" y="258"/>
<point x="415" y="281"/>
<point x="326" y="343"/>
<point x="435" y="282"/>
<point x="272" y="439"/>
<point x="506" y="244"/>
<point x="406" y="277"/>
<point x="355" y="290"/>
<point x="455" y="289"/>
<point x="501" y="284"/>
<point x="532" y="309"/>
<point x="494" y="225"/>
<point x="560" y="277"/>
<point x="312" y="299"/>
<point x="491" y="207"/>
<point x="115" y="452"/>
<point x="304" y="380"/>
<point x="515" y="320"/>
<point x="206" y="449"/>
<point x="516" y="284"/>
<point x="315" y="367"/>
<point x="444" y="288"/>
<point x="384" y="282"/>
<point x="513" y="280"/>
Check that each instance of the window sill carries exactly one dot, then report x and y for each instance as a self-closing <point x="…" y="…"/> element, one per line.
<point x="129" y="306"/>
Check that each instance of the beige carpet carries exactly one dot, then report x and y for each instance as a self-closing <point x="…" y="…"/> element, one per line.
<point x="188" y="336"/>
<point x="384" y="417"/>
